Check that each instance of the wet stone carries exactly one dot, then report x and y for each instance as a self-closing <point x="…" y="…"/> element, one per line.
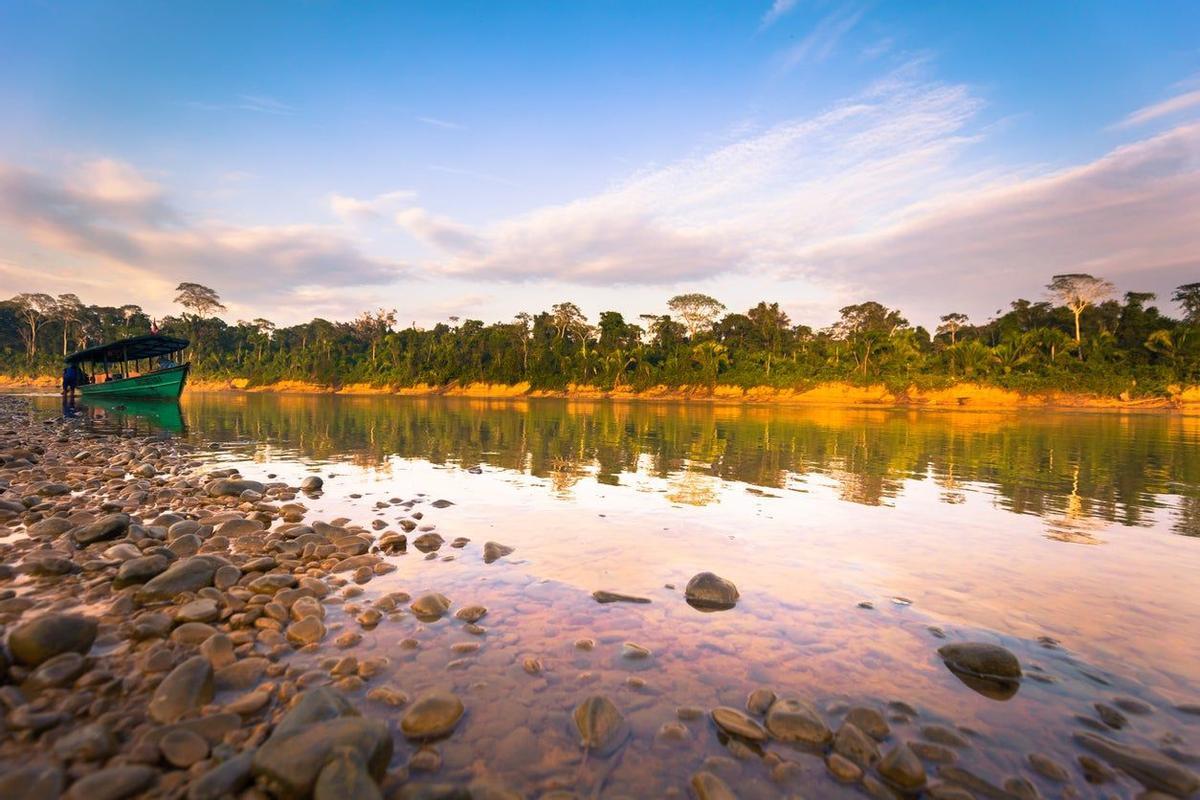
<point x="1048" y="768"/>
<point x="432" y="715"/>
<point x="842" y="768"/>
<point x="430" y="607"/>
<point x="759" y="701"/>
<point x="307" y="630"/>
<point x="901" y="767"/>
<point x="600" y="725"/>
<point x="869" y="721"/>
<point x="493" y="551"/>
<point x="708" y="786"/>
<point x="289" y="764"/>
<point x="183" y="691"/>
<point x="855" y="745"/>
<point x="602" y="596"/>
<point x="40" y="639"/>
<point x="93" y="742"/>
<point x="797" y="721"/>
<point x="711" y="592"/>
<point x="734" y="722"/>
<point x="227" y="778"/>
<point x="182" y="748"/>
<point x="345" y="775"/>
<point x="1148" y="767"/>
<point x="471" y="613"/>
<point x="113" y="783"/>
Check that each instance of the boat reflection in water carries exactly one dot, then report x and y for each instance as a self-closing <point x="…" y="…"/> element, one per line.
<point x="140" y="415"/>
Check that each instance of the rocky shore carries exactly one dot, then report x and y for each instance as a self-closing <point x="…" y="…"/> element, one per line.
<point x="172" y="630"/>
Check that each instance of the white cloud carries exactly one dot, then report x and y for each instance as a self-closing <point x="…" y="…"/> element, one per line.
<point x="107" y="217"/>
<point x="441" y="123"/>
<point x="824" y="38"/>
<point x="778" y="9"/>
<point x="1166" y="108"/>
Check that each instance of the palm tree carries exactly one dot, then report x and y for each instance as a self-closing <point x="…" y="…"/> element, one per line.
<point x="711" y="356"/>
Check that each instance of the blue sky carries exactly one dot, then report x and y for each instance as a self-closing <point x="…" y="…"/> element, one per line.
<point x="479" y="159"/>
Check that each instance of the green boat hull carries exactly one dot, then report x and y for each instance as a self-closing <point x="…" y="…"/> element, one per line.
<point x="165" y="384"/>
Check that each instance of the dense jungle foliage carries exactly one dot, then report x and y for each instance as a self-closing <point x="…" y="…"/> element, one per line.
<point x="1081" y="339"/>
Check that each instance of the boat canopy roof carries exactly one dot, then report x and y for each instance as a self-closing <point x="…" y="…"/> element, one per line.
<point x="148" y="346"/>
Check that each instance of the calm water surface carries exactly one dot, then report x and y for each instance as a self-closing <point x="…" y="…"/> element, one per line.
<point x="1071" y="539"/>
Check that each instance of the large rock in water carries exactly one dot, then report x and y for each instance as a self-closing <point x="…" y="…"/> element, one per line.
<point x="189" y="575"/>
<point x="709" y="592"/>
<point x="49" y="635"/>
<point x="982" y="660"/>
<point x="601" y="727"/>
<point x="226" y="487"/>
<point x="109" y="526"/>
<point x="288" y="766"/>
<point x="986" y="668"/>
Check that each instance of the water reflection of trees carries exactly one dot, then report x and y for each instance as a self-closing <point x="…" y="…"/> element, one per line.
<point x="1070" y="467"/>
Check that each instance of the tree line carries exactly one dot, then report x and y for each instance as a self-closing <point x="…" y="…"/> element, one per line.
<point x="1081" y="337"/>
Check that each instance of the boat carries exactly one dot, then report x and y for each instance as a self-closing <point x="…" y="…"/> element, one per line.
<point x="120" y="365"/>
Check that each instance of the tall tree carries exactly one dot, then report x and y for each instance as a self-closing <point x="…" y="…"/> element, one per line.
<point x="1188" y="296"/>
<point x="202" y="301"/>
<point x="952" y="324"/>
<point x="1078" y="291"/>
<point x="33" y="308"/>
<point x="69" y="311"/>
<point x="698" y="311"/>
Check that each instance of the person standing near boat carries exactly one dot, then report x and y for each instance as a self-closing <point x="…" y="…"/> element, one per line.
<point x="71" y="378"/>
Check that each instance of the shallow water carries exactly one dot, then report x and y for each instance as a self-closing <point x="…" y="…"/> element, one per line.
<point x="1084" y="528"/>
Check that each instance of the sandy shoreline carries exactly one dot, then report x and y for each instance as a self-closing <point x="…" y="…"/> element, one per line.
<point x="969" y="396"/>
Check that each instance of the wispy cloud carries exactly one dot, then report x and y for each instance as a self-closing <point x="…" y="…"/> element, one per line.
<point x="258" y="104"/>
<point x="874" y="195"/>
<point x="778" y="9"/>
<point x="353" y="209"/>
<point x="820" y="43"/>
<point x="441" y="123"/>
<point x="1168" y="107"/>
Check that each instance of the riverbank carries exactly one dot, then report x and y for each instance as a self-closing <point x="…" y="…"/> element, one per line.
<point x="963" y="395"/>
<point x="174" y="628"/>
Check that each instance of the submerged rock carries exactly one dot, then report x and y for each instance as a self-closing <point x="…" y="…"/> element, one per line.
<point x="433" y="715"/>
<point x="709" y="592"/>
<point x="902" y="768"/>
<point x="600" y="724"/>
<point x="601" y="596"/>
<point x="736" y="723"/>
<point x="430" y="607"/>
<point x="494" y="550"/>
<point x="288" y="766"/>
<point x="1148" y="767"/>
<point x="708" y="786"/>
<point x="797" y="721"/>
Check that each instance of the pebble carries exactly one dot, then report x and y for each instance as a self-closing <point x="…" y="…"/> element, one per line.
<point x="901" y="767"/>
<point x="432" y="715"/>
<point x="183" y="748"/>
<point x="736" y="723"/>
<point x="601" y="726"/>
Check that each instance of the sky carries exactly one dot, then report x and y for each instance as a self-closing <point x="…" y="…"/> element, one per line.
<point x="478" y="159"/>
